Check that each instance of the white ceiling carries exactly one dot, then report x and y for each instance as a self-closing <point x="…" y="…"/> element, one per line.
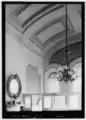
<point x="44" y="24"/>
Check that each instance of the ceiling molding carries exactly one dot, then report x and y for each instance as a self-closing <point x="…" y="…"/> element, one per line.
<point x="13" y="17"/>
<point x="55" y="37"/>
<point x="32" y="21"/>
<point x="40" y="11"/>
<point x="49" y="24"/>
<point x="21" y="9"/>
<point x="23" y="26"/>
<point x="62" y="34"/>
<point x="38" y="19"/>
<point x="37" y="43"/>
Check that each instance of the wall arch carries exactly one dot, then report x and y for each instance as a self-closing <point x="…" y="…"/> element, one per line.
<point x="76" y="61"/>
<point x="51" y="85"/>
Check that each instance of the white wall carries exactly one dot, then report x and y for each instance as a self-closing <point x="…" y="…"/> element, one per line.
<point x="17" y="59"/>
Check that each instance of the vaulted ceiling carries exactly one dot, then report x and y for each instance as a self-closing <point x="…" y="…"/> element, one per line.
<point x="45" y="24"/>
<point x="74" y="51"/>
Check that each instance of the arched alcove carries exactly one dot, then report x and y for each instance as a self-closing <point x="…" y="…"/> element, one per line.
<point x="51" y="83"/>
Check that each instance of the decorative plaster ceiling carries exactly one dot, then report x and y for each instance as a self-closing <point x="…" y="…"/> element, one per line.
<point x="44" y="24"/>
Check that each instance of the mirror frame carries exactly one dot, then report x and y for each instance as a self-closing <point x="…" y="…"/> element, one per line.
<point x="10" y="94"/>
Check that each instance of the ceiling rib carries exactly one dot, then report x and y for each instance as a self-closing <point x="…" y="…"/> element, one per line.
<point x="21" y="9"/>
<point x="57" y="35"/>
<point x="42" y="46"/>
<point x="54" y="37"/>
<point x="32" y="20"/>
<point x="38" y="44"/>
<point x="37" y="13"/>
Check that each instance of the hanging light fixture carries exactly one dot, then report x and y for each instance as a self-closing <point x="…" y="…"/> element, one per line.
<point x="66" y="74"/>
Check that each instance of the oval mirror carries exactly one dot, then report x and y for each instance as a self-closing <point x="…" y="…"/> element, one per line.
<point x="14" y="86"/>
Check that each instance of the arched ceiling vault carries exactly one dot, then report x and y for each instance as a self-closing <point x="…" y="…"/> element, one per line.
<point x="74" y="52"/>
<point x="44" y="24"/>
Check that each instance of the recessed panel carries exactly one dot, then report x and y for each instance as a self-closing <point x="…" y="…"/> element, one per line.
<point x="53" y="30"/>
<point x="45" y="18"/>
<point x="31" y="10"/>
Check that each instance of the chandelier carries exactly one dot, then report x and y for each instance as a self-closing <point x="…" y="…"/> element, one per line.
<point x="66" y="73"/>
